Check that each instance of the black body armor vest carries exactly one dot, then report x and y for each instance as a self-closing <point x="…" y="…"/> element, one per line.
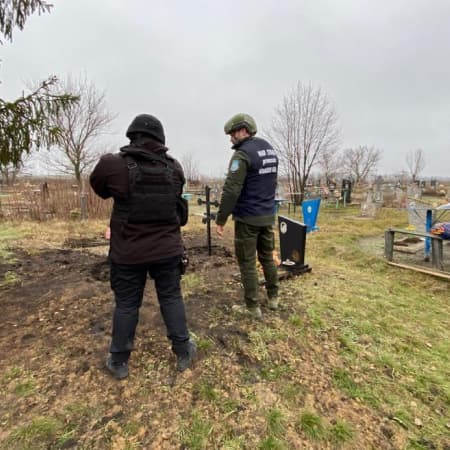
<point x="152" y="192"/>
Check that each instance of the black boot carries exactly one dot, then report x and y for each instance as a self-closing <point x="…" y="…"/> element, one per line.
<point x="185" y="361"/>
<point x="119" y="370"/>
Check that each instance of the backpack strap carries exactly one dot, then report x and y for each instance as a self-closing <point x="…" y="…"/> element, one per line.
<point x="149" y="157"/>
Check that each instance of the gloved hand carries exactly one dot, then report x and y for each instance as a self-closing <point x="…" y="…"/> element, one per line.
<point x="184" y="262"/>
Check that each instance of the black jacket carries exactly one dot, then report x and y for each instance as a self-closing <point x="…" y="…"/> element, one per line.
<point x="136" y="243"/>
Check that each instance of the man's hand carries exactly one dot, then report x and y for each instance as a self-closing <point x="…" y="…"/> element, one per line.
<point x="219" y="230"/>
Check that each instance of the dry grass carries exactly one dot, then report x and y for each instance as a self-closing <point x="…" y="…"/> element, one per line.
<point x="51" y="199"/>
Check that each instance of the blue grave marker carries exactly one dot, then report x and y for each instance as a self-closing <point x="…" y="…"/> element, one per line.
<point x="310" y="209"/>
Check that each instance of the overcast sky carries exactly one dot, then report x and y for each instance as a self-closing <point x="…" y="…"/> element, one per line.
<point x="384" y="63"/>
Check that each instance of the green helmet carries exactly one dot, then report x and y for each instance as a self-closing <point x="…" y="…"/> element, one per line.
<point x="239" y="121"/>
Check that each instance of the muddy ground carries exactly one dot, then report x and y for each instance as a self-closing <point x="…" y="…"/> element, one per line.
<point x="55" y="332"/>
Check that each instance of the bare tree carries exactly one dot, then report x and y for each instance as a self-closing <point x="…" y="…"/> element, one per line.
<point x="190" y="167"/>
<point x="10" y="171"/>
<point x="303" y="129"/>
<point x="330" y="163"/>
<point x="415" y="160"/>
<point x="82" y="125"/>
<point x="361" y="161"/>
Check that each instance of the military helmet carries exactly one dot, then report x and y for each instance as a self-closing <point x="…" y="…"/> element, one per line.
<point x="147" y="124"/>
<point x="239" y="121"/>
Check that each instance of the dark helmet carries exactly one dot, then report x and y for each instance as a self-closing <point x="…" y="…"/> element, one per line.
<point x="147" y="124"/>
<point x="239" y="121"/>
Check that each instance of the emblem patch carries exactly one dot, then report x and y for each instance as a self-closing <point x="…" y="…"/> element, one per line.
<point x="234" y="167"/>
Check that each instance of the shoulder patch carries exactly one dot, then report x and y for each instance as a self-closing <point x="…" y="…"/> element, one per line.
<point x="234" y="166"/>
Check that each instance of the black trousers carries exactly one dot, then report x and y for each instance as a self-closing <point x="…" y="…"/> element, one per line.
<point x="128" y="283"/>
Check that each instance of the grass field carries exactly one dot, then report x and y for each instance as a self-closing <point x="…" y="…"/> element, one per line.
<point x="392" y="326"/>
<point x="357" y="357"/>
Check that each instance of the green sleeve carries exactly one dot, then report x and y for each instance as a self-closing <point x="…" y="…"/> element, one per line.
<point x="237" y="172"/>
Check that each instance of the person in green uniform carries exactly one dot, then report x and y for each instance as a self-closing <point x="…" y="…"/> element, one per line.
<point x="249" y="196"/>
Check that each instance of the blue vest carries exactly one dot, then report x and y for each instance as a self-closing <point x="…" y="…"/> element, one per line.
<point x="258" y="193"/>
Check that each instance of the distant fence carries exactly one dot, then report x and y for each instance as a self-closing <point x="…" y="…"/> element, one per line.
<point x="45" y="199"/>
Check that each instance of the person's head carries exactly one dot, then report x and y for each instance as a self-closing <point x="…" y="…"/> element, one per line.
<point x="240" y="127"/>
<point x="145" y="125"/>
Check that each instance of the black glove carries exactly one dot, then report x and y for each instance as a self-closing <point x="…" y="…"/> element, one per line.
<point x="184" y="262"/>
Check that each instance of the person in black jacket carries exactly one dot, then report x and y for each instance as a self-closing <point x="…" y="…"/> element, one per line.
<point x="146" y="185"/>
<point x="249" y="195"/>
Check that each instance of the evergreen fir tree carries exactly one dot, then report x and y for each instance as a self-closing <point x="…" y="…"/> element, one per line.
<point x="26" y="122"/>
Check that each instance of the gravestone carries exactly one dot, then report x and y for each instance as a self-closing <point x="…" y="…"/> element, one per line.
<point x="331" y="185"/>
<point x="369" y="207"/>
<point x="413" y="191"/>
<point x="346" y="192"/>
<point x="292" y="245"/>
<point x="401" y="198"/>
<point x="378" y="198"/>
<point x="417" y="214"/>
<point x="310" y="210"/>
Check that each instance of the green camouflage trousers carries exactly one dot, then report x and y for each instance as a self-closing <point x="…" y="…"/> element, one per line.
<point x="250" y="240"/>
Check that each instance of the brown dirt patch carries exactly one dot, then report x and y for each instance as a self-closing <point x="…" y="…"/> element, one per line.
<point x="55" y="334"/>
